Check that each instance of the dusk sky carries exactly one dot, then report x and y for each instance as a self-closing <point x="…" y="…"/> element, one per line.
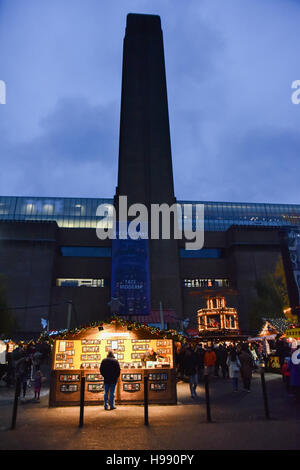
<point x="235" y="132"/>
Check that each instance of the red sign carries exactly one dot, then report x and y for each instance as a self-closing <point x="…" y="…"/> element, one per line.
<point x="192" y="332"/>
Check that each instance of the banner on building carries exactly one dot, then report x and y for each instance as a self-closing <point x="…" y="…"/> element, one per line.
<point x="130" y="278"/>
<point x="293" y="242"/>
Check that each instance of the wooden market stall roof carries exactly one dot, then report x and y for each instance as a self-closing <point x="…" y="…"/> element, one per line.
<point x="273" y="326"/>
<point x="118" y="325"/>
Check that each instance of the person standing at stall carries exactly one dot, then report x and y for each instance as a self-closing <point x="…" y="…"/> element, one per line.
<point x="110" y="370"/>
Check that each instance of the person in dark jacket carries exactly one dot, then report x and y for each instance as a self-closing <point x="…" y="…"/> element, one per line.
<point x="22" y="368"/>
<point x="294" y="368"/>
<point x="222" y="356"/>
<point x="247" y="366"/>
<point x="191" y="370"/>
<point x="200" y="360"/>
<point x="110" y="370"/>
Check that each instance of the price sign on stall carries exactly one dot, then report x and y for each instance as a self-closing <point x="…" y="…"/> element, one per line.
<point x="293" y="332"/>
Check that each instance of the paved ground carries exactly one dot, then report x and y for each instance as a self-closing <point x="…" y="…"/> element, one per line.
<point x="238" y="422"/>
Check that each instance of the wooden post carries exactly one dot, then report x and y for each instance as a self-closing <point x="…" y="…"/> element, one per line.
<point x="16" y="400"/>
<point x="265" y="397"/>
<point x="146" y="400"/>
<point x="208" y="415"/>
<point x="81" y="402"/>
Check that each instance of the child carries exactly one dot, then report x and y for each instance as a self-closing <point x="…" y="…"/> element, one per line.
<point x="285" y="370"/>
<point x="37" y="385"/>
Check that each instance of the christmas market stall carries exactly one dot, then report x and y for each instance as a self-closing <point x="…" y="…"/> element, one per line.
<point x="272" y="339"/>
<point x="140" y="350"/>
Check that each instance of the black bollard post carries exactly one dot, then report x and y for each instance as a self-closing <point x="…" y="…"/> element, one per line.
<point x="16" y="400"/>
<point x="208" y="415"/>
<point x="265" y="397"/>
<point x="81" y="401"/>
<point x="146" y="400"/>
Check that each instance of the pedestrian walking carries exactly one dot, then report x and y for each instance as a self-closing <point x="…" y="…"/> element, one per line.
<point x="191" y="370"/>
<point x="200" y="361"/>
<point x="254" y="356"/>
<point x="37" y="385"/>
<point x="294" y="367"/>
<point x="23" y="367"/>
<point x="234" y="365"/>
<point x="247" y="365"/>
<point x="209" y="361"/>
<point x="285" y="370"/>
<point x="181" y="356"/>
<point x="217" y="363"/>
<point x="110" y="370"/>
<point x="282" y="349"/>
<point x="222" y="353"/>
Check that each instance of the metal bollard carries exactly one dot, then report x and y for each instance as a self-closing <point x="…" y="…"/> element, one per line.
<point x="146" y="400"/>
<point x="16" y="400"/>
<point x="82" y="387"/>
<point x="208" y="415"/>
<point x="265" y="397"/>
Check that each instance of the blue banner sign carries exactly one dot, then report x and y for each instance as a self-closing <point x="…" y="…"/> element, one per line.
<point x="130" y="279"/>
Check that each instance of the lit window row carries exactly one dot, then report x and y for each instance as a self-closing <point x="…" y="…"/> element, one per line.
<point x="82" y="212"/>
<point x="194" y="283"/>
<point x="80" y="282"/>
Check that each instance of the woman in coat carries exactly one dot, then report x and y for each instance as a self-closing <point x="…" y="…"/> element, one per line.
<point x="234" y="365"/>
<point x="246" y="361"/>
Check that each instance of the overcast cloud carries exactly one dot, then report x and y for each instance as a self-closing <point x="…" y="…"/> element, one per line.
<point x="230" y="64"/>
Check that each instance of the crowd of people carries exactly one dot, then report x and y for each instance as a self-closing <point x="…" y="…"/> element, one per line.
<point x="227" y="361"/>
<point x="23" y="364"/>
<point x="233" y="361"/>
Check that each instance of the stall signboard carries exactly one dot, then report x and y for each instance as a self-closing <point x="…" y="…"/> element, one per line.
<point x="273" y="363"/>
<point x="292" y="332"/>
<point x="130" y="280"/>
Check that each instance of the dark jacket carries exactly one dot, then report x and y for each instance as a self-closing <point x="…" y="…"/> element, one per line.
<point x="190" y="363"/>
<point x="110" y="369"/>
<point x="222" y="355"/>
<point x="246" y="364"/>
<point x="200" y="357"/>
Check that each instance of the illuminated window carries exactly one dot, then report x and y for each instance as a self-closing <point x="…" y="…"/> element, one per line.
<point x="80" y="282"/>
<point x="205" y="283"/>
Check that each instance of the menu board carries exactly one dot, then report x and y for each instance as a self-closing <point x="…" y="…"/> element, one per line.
<point x="158" y="376"/>
<point x="131" y="377"/>
<point x="69" y="388"/>
<point x="158" y="387"/>
<point x="131" y="387"/>
<point x="87" y="354"/>
<point x="94" y="378"/>
<point x="69" y="378"/>
<point x="97" y="387"/>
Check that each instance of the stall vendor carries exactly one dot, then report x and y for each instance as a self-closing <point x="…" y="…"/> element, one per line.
<point x="150" y="356"/>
